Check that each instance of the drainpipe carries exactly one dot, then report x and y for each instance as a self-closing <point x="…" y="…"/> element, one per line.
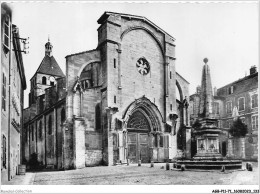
<point x="9" y="106"/>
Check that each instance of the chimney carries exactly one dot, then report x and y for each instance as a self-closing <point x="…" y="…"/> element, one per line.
<point x="252" y="70"/>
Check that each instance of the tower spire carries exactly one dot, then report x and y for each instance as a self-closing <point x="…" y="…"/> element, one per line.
<point x="48" y="47"/>
<point x="206" y="95"/>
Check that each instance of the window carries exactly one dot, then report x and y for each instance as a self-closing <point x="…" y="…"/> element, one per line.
<point x="230" y="90"/>
<point x="115" y="99"/>
<point x="52" y="83"/>
<point x="98" y="117"/>
<point x="6" y="33"/>
<point x="229" y="107"/>
<point x="155" y="141"/>
<point x="254" y="101"/>
<point x="171" y="107"/>
<point x="40" y="129"/>
<point x="44" y="80"/>
<point x="63" y="115"/>
<point x="85" y="84"/>
<point x="241" y="104"/>
<point x="114" y="63"/>
<point x="255" y="122"/>
<point x="50" y="125"/>
<point x="4" y="92"/>
<point x="170" y="75"/>
<point x="32" y="133"/>
<point x="161" y="141"/>
<point x="216" y="107"/>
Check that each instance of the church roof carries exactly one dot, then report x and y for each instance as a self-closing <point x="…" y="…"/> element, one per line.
<point x="50" y="66"/>
<point x="108" y="13"/>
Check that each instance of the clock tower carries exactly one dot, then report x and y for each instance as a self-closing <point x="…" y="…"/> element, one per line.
<point x="46" y="75"/>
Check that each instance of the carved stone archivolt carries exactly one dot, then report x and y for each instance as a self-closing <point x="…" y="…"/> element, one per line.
<point x="149" y="112"/>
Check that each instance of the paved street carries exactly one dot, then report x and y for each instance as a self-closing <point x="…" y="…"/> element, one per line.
<point x="134" y="175"/>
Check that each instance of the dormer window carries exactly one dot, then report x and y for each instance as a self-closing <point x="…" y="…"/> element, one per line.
<point x="7" y="34"/>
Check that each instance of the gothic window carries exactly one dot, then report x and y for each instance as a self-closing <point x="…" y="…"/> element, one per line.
<point x="85" y="84"/>
<point x="254" y="100"/>
<point x="4" y="92"/>
<point x="86" y="78"/>
<point x="255" y="122"/>
<point x="138" y="121"/>
<point x="63" y="115"/>
<point x="229" y="107"/>
<point x="241" y="104"/>
<point x="98" y="117"/>
<point x="44" y="80"/>
<point x="40" y="129"/>
<point x="50" y="125"/>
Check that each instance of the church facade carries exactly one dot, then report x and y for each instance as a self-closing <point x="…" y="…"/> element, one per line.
<point x="124" y="100"/>
<point x="121" y="97"/>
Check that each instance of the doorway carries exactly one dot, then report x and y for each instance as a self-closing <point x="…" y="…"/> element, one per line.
<point x="138" y="147"/>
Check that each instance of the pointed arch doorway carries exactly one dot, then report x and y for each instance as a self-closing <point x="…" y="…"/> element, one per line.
<point x="138" y="128"/>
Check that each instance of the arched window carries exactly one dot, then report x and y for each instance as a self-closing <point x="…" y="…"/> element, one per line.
<point x="50" y="125"/>
<point x="98" y="117"/>
<point x="63" y="115"/>
<point x="40" y="129"/>
<point x="44" y="80"/>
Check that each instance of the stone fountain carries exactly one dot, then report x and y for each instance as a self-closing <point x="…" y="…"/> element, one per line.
<point x="207" y="132"/>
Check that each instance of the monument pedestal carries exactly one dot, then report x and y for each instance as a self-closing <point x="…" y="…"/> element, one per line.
<point x="207" y="137"/>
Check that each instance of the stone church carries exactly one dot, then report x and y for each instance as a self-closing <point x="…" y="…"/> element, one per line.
<point x="124" y="99"/>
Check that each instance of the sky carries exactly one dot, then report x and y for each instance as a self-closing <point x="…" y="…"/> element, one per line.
<point x="225" y="33"/>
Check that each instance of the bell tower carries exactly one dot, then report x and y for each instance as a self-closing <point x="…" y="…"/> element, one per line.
<point x="48" y="48"/>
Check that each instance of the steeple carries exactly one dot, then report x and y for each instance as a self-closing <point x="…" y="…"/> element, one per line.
<point x="206" y="95"/>
<point x="48" y="48"/>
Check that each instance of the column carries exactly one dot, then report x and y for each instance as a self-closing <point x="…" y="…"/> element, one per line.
<point x="173" y="151"/>
<point x="110" y="154"/>
<point x="76" y="103"/>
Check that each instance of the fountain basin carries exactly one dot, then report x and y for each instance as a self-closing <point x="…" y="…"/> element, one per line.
<point x="210" y="165"/>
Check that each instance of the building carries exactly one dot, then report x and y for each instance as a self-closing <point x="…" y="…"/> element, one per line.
<point x="243" y="96"/>
<point x="124" y="100"/>
<point x="13" y="84"/>
<point x="42" y="135"/>
<point x="121" y="97"/>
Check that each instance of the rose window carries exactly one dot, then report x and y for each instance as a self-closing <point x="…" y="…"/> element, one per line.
<point x="143" y="66"/>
